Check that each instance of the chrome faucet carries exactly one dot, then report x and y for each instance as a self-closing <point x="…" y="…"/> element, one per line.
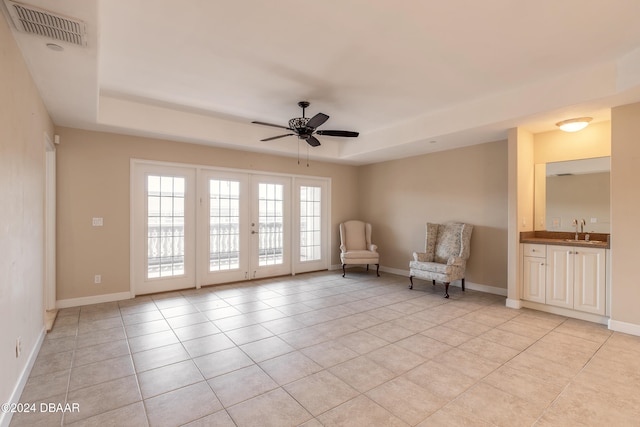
<point x="575" y="223"/>
<point x="582" y="224"/>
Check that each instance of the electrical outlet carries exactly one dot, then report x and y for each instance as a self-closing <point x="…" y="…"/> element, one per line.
<point x="97" y="279"/>
<point x="97" y="222"/>
<point x="18" y="347"/>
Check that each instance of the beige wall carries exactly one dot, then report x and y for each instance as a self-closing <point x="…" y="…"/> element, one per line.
<point x="93" y="181"/>
<point x="625" y="215"/>
<point x="468" y="184"/>
<point x="558" y="146"/>
<point x="23" y="122"/>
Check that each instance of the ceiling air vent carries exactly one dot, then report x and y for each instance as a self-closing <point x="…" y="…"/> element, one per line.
<point x="48" y="24"/>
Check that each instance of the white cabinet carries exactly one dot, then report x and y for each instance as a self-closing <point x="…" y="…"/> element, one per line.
<point x="560" y="276"/>
<point x="576" y="278"/>
<point x="533" y="266"/>
<point x="589" y="281"/>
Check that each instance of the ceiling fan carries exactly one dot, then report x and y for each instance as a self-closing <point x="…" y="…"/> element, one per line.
<point x="305" y="127"/>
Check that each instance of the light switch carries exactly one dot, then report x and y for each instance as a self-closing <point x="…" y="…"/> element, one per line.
<point x="97" y="222"/>
<point x="594" y="220"/>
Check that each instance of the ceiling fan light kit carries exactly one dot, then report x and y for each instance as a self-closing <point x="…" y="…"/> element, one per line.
<point x="305" y="127"/>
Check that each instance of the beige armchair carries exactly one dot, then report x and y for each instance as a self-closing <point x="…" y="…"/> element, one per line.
<point x="445" y="257"/>
<point x="356" y="246"/>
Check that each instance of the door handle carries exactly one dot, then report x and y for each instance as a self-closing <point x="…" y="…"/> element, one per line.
<point x="254" y="232"/>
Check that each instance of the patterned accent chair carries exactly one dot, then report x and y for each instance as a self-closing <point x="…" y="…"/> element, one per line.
<point x="447" y="250"/>
<point x="356" y="246"/>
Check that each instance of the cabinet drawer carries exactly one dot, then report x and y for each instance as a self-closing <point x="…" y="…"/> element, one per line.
<point x="534" y="249"/>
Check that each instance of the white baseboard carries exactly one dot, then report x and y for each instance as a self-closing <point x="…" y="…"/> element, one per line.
<point x="483" y="288"/>
<point x="624" y="327"/>
<point x="96" y="299"/>
<point x="395" y="271"/>
<point x="595" y="318"/>
<point x="5" y="417"/>
<point x="467" y="284"/>
<point x="513" y="303"/>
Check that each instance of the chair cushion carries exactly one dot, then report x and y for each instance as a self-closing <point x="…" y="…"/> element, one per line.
<point x="353" y="255"/>
<point x="433" y="267"/>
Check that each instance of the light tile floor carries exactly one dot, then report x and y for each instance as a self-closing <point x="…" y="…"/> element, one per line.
<point x="318" y="349"/>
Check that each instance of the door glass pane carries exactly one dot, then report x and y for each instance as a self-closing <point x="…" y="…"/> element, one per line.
<point x="224" y="225"/>
<point x="165" y="226"/>
<point x="310" y="232"/>
<point x="270" y="222"/>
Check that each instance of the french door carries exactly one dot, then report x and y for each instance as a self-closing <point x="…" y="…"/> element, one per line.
<point x="223" y="227"/>
<point x="270" y="226"/>
<point x="163" y="228"/>
<point x="248" y="226"/>
<point x="195" y="226"/>
<point x="310" y="213"/>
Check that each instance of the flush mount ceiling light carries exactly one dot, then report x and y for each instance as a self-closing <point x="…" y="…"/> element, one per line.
<point x="574" y="125"/>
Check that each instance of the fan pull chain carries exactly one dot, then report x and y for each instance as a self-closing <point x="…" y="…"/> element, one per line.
<point x="298" y="151"/>
<point x="307" y="155"/>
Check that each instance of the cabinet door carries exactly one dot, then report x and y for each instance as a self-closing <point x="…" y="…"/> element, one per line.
<point x="589" y="282"/>
<point x="533" y="282"/>
<point x="559" y="286"/>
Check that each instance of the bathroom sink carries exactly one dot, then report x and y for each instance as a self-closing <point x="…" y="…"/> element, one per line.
<point x="583" y="241"/>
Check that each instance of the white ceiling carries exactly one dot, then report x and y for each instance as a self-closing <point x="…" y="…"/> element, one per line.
<point x="411" y="76"/>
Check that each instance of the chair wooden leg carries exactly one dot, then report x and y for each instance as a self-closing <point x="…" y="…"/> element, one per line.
<point x="434" y="283"/>
<point x="446" y="289"/>
<point x="411" y="280"/>
<point x="343" y="270"/>
<point x="378" y="269"/>
<point x="367" y="267"/>
<point x="463" y="284"/>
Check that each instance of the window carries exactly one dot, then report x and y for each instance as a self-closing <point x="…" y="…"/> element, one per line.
<point x="310" y="220"/>
<point x="224" y="225"/>
<point x="165" y="226"/>
<point x="271" y="224"/>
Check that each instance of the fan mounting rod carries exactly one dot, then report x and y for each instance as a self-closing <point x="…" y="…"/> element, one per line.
<point x="303" y="105"/>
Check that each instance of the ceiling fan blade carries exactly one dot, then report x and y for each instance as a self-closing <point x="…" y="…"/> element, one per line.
<point x="317" y="120"/>
<point x="313" y="141"/>
<point x="276" y="137"/>
<point x="272" y="125"/>
<point x="343" y="133"/>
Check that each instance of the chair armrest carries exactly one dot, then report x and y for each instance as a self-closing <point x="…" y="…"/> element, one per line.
<point x="455" y="260"/>
<point x="343" y="248"/>
<point x="420" y="256"/>
<point x="373" y="248"/>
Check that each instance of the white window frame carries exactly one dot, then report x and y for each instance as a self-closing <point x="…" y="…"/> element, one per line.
<point x="201" y="218"/>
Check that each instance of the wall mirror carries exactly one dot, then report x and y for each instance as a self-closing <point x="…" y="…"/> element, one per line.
<point x="574" y="189"/>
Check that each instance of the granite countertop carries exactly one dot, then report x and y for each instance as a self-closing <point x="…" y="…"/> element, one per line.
<point x="562" y="238"/>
